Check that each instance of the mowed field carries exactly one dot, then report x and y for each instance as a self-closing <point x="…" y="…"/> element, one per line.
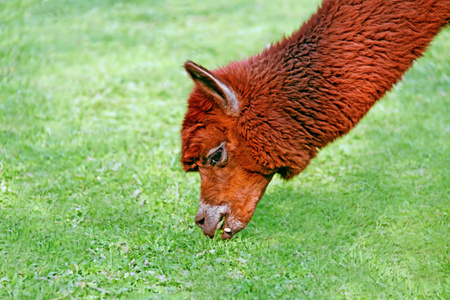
<point x="93" y="200"/>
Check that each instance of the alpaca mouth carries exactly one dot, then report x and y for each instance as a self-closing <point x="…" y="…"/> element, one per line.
<point x="215" y="221"/>
<point x="221" y="229"/>
<point x="220" y="226"/>
<point x="227" y="234"/>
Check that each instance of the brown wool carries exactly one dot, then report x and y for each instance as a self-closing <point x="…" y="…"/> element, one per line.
<point x="276" y="109"/>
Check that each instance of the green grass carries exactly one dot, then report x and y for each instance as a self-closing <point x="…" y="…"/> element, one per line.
<point x="93" y="201"/>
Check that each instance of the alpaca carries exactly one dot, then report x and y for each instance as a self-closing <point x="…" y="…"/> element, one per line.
<point x="272" y="112"/>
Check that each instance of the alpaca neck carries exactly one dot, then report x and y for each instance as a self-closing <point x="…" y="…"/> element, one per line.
<point x="309" y="89"/>
<point x="350" y="53"/>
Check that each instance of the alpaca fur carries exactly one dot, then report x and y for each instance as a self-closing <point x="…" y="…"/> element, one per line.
<point x="299" y="95"/>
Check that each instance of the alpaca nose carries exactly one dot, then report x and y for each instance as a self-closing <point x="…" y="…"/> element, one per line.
<point x="207" y="225"/>
<point x="199" y="220"/>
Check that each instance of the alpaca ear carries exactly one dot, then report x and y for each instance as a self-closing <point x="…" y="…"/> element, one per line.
<point x="224" y="96"/>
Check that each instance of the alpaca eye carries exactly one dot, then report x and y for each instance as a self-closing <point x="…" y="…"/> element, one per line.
<point x="216" y="157"/>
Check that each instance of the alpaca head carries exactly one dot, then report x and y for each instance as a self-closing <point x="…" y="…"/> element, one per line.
<point x="232" y="182"/>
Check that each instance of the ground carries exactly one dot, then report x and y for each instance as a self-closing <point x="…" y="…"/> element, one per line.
<point x="93" y="200"/>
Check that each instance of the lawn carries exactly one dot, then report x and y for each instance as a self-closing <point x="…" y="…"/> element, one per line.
<point x="93" y="200"/>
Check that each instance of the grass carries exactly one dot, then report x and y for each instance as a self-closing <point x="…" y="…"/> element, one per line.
<point x="93" y="201"/>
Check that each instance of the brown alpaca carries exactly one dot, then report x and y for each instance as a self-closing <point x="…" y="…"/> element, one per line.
<point x="271" y="113"/>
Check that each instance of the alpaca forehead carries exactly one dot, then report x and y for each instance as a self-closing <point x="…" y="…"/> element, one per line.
<point x="207" y="135"/>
